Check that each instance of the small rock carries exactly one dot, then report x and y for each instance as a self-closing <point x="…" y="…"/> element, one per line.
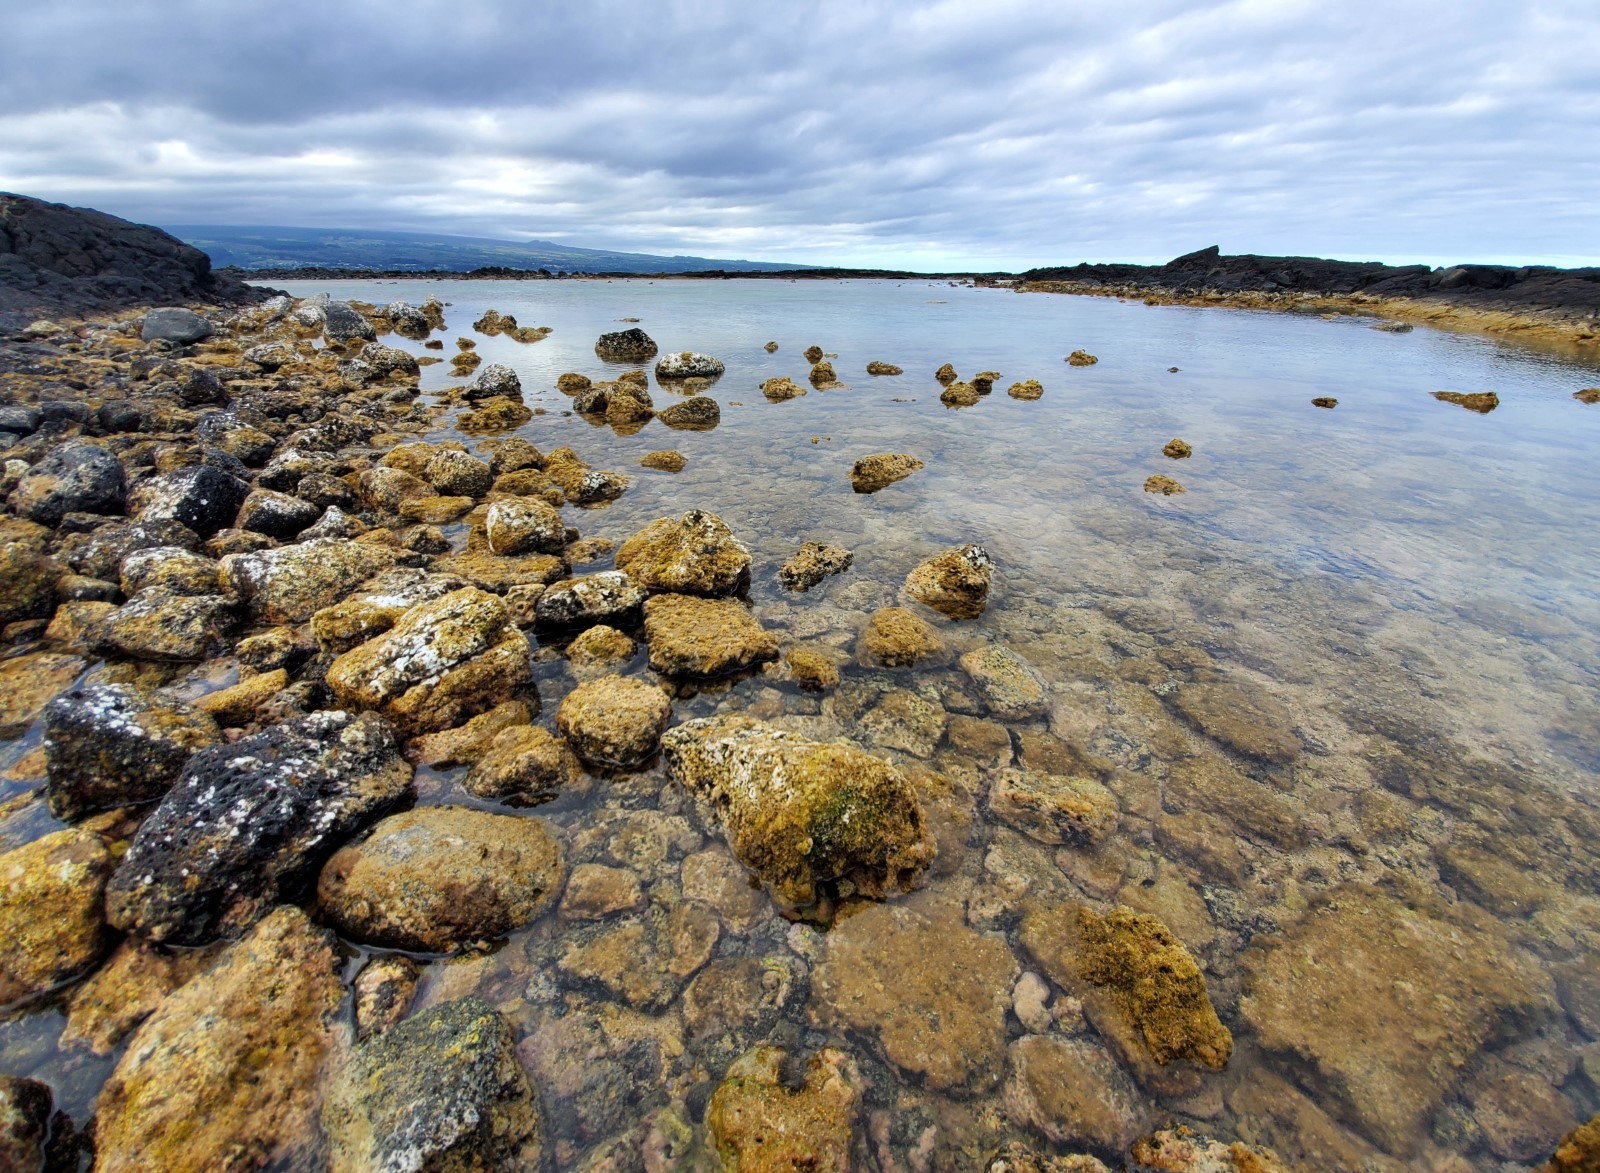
<point x="822" y="375"/>
<point x="495" y="381"/>
<point x="465" y="744"/>
<point x="688" y="365"/>
<point x="1164" y="485"/>
<point x="168" y="570"/>
<point x="1177" y="449"/>
<point x="954" y="583"/>
<point x="812" y="670"/>
<point x="1482" y="402"/>
<point x="779" y="389"/>
<point x="1325" y="401"/>
<point x="382" y="993"/>
<point x="236" y="705"/>
<point x="945" y="374"/>
<point x="761" y="1122"/>
<point x="1028" y="389"/>
<point x="614" y="722"/>
<point x="665" y="461"/>
<point x="895" y="638"/>
<point x="1010" y="687"/>
<point x="1081" y="358"/>
<point x="871" y="473"/>
<point x="341" y="322"/>
<point x="519" y="525"/>
<point x="883" y="368"/>
<point x="607" y="597"/>
<point x="644" y="961"/>
<point x="698" y="413"/>
<point x="771" y="348"/>
<point x="51" y="911"/>
<point x="1030" y="1002"/>
<point x="523" y="766"/>
<point x="960" y="395"/>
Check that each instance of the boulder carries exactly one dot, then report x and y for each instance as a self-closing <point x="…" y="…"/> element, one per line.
<point x="695" y="554"/>
<point x="871" y="473"/>
<point x="698" y="413"/>
<point x="443" y="1090"/>
<point x="1008" y="684"/>
<point x="157" y="626"/>
<point x="523" y="766"/>
<point x="436" y="878"/>
<point x="631" y="345"/>
<point x="521" y="525"/>
<point x="802" y="814"/>
<point x="693" y="636"/>
<point x="247" y="825"/>
<point x="895" y="638"/>
<point x="781" y="388"/>
<point x="76" y="477"/>
<point x="456" y="474"/>
<point x="607" y="597"/>
<point x="223" y="1075"/>
<point x="277" y="515"/>
<point x="1053" y="808"/>
<point x="174" y="324"/>
<point x="688" y="365"/>
<point x="813" y="562"/>
<point x="109" y="745"/>
<point x="200" y="498"/>
<point x="444" y="661"/>
<point x="168" y="570"/>
<point x="342" y="322"/>
<point x="760" y="1121"/>
<point x="954" y="583"/>
<point x="615" y="721"/>
<point x="291" y="583"/>
<point x="52" y="921"/>
<point x="495" y="381"/>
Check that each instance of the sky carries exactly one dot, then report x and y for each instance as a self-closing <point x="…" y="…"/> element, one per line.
<point x="979" y="134"/>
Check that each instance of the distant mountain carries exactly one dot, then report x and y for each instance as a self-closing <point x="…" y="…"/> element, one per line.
<point x="355" y="248"/>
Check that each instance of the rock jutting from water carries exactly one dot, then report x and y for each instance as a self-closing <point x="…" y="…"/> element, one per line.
<point x="693" y="636"/>
<point x="688" y="365"/>
<point x="781" y="388"/>
<point x="614" y="722"/>
<point x="955" y="583"/>
<point x="630" y="345"/>
<point x="871" y="473"/>
<point x="1177" y="449"/>
<point x="1482" y="402"/>
<point x="883" y="368"/>
<point x="1081" y="358"/>
<point x="813" y="562"/>
<point x="1163" y="485"/>
<point x="692" y="554"/>
<point x="1028" y="389"/>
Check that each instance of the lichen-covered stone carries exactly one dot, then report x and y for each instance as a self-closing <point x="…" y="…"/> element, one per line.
<point x="292" y="583"/>
<point x="169" y="570"/>
<point x="223" y="1075"/>
<point x="75" y="477"/>
<point x="122" y="993"/>
<point x="502" y="573"/>
<point x="800" y="813"/>
<point x="248" y="824"/>
<point x="688" y="365"/>
<point x="871" y="473"/>
<point x="895" y="638"/>
<point x="524" y="765"/>
<point x="52" y="924"/>
<point x="813" y="562"/>
<point x="377" y="606"/>
<point x="157" y="626"/>
<point x="693" y="636"/>
<point x="695" y="554"/>
<point x="607" y="597"/>
<point x="275" y="514"/>
<point x="955" y="583"/>
<point x="495" y="381"/>
<point x="930" y="992"/>
<point x="599" y="651"/>
<point x="760" y="1123"/>
<point x="1028" y="389"/>
<point x="437" y="878"/>
<point x="1209" y="782"/>
<point x="615" y="721"/>
<point x="1164" y="485"/>
<point x="519" y="525"/>
<point x="444" y="661"/>
<point x="110" y="745"/>
<point x="1008" y="684"/>
<point x="456" y="474"/>
<point x="698" y="413"/>
<point x="812" y="670"/>
<point x="781" y="388"/>
<point x="1053" y="808"/>
<point x="30" y="580"/>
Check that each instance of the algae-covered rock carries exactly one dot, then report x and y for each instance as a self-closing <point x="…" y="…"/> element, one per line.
<point x="28" y="682"/>
<point x="607" y="597"/>
<point x="1139" y="984"/>
<point x="1081" y="358"/>
<point x="883" y="368"/>
<point x="382" y="993"/>
<point x="1243" y="720"/>
<point x="109" y="1006"/>
<point x="1072" y="1092"/>
<point x="443" y="1090"/>
<point x="1182" y="1150"/>
<point x="156" y="626"/>
<point x="813" y="670"/>
<point x="955" y="583"/>
<point x="1177" y="449"/>
<point x="929" y="991"/>
<point x="615" y="721"/>
<point x="1579" y="1151"/>
<point x="248" y="824"/>
<point x="456" y="474"/>
<point x="224" y="1074"/>
<point x="444" y="661"/>
<point x="291" y="583"/>
<point x="1482" y="402"/>
<point x="437" y="878"/>
<point x="1017" y="1157"/>
<point x="904" y="721"/>
<point x="645" y="960"/>
<point x="30" y="579"/>
<point x="1210" y="783"/>
<point x="698" y="413"/>
<point x="1053" y="808"/>
<point x="665" y="460"/>
<point x="761" y="1123"/>
<point x="1325" y="401"/>
<point x="695" y="554"/>
<point x="781" y="388"/>
<point x="111" y="745"/>
<point x="960" y="395"/>
<point x="822" y="375"/>
<point x="895" y="638"/>
<point x="813" y="562"/>
<point x="1028" y="389"/>
<point x="631" y="345"/>
<point x="1008" y="684"/>
<point x="495" y="381"/>
<point x="524" y="765"/>
<point x="599" y="651"/>
<point x="801" y="813"/>
<point x="693" y="636"/>
<point x="871" y="473"/>
<point x="52" y="921"/>
<point x="1164" y="485"/>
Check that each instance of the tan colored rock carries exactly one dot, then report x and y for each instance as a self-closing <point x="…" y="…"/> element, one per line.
<point x="524" y="766"/>
<point x="1181" y="1150"/>
<point x="1028" y="389"/>
<point x="882" y="469"/>
<point x="822" y="375"/>
<point x="760" y="1125"/>
<point x="666" y="460"/>
<point x="1052" y="808"/>
<point x="1244" y="721"/>
<point x="904" y="721"/>
<point x="236" y="705"/>
<point x="1163" y="485"/>
<point x="52" y="911"/>
<point x="1210" y="783"/>
<point x="812" y="670"/>
<point x="126" y="990"/>
<point x="1008" y="684"/>
<point x="695" y="554"/>
<point x="291" y="583"/>
<point x="895" y="638"/>
<point x="220" y="1076"/>
<point x="27" y="684"/>
<point x="1081" y="358"/>
<point x="1579" y="1151"/>
<point x="779" y="389"/>
<point x="1072" y="1092"/>
<point x="813" y="562"/>
<point x="955" y="583"/>
<point x="499" y="573"/>
<point x="523" y="525"/>
<point x="691" y="636"/>
<point x="614" y="722"/>
<point x="718" y="880"/>
<point x="465" y="744"/>
<point x="599" y="651"/>
<point x="883" y="368"/>
<point x="945" y="374"/>
<point x="1177" y="449"/>
<point x="595" y="892"/>
<point x="960" y="395"/>
<point x="646" y="960"/>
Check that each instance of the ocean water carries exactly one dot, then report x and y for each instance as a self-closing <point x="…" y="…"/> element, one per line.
<point x="1407" y="590"/>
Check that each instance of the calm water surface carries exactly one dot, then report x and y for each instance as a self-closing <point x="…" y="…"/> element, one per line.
<point x="1411" y="588"/>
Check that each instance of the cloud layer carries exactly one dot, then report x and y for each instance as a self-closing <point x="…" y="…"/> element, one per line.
<point x="983" y="133"/>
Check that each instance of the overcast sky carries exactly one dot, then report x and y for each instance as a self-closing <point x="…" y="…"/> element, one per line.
<point x="982" y="133"/>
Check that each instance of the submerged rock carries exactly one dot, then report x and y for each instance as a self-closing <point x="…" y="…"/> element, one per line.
<point x="930" y="992"/>
<point x="439" y="877"/>
<point x="52" y="922"/>
<point x="523" y="766"/>
<point x="1482" y="402"/>
<point x="800" y="813"/>
<point x="813" y="562"/>
<point x="812" y="670"/>
<point x="1008" y="684"/>
<point x="1245" y="721"/>
<point x="693" y="636"/>
<point x="1164" y="485"/>
<point x="223" y="1075"/>
<point x="1181" y="1150"/>
<point x="895" y="638"/>
<point x="631" y="345"/>
<point x="443" y="1090"/>
<point x="762" y="1123"/>
<point x="1072" y="1092"/>
<point x="666" y="460"/>
<point x="247" y="825"/>
<point x="904" y="721"/>
<point x="954" y="583"/>
<point x="645" y="960"/>
<point x="615" y="721"/>
<point x="1053" y="808"/>
<point x="598" y="651"/>
<point x="871" y="473"/>
<point x="695" y="554"/>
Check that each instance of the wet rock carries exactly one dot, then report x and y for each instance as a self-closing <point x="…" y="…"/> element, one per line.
<point x="695" y="554"/>
<point x="615" y="721"/>
<point x="1579" y="1151"/>
<point x="698" y="413"/>
<point x="156" y="626"/>
<point x="1164" y="485"/>
<point x="51" y="911"/>
<point x="341" y="322"/>
<point x="644" y="961"/>
<point x="221" y="1076"/>
<point x="27" y="1125"/>
<point x="1482" y="402"/>
<point x="30" y="580"/>
<point x="599" y="651"/>
<point x="455" y="474"/>
<point x="247" y="824"/>
<point x="236" y="705"/>
<point x="523" y="766"/>
<point x="437" y="878"/>
<point x="169" y="570"/>
<point x="27" y="683"/>
<point x="1139" y="985"/>
<point x="1052" y="808"/>
<point x="771" y="348"/>
<point x="1246" y="722"/>
<point x="945" y="374"/>
<point x="803" y="813"/>
<point x="519" y="525"/>
<point x="495" y="381"/>
<point x="607" y="597"/>
<point x="781" y="388"/>
<point x="1383" y="1006"/>
<point x="388" y="360"/>
<point x="1211" y="784"/>
<point x="377" y="606"/>
<point x="1181" y="1150"/>
<point x="1327" y="401"/>
<point x="200" y="498"/>
<point x="466" y="743"/>
<point x="126" y="990"/>
<point x="174" y="324"/>
<point x="1521" y="1115"/>
<point x="693" y="636"/>
<point x="761" y="1123"/>
<point x="595" y="892"/>
<point x="1177" y="449"/>
<point x="983" y="382"/>
<point x="960" y="395"/>
<point x="1081" y="358"/>
<point x="883" y="368"/>
<point x="812" y="670"/>
<point x="494" y="415"/>
<point x="75" y="477"/>
<point x="1028" y="389"/>
<point x="871" y="473"/>
<point x="954" y="583"/>
<point x="822" y="375"/>
<point x="511" y="454"/>
<point x="688" y="365"/>
<point x="572" y="382"/>
<point x="943" y="1023"/>
<point x="1008" y="684"/>
<point x="382" y="993"/>
<point x="292" y="583"/>
<point x="1072" y="1092"/>
<point x="904" y="721"/>
<point x="504" y="572"/>
<point x="111" y="745"/>
<point x="1587" y="395"/>
<point x="895" y="638"/>
<point x="666" y="460"/>
<point x="277" y="515"/>
<point x="582" y="484"/>
<point x="631" y="345"/>
<point x="386" y="489"/>
<point x="443" y="662"/>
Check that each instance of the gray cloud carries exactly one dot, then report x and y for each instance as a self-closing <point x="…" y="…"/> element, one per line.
<point x="971" y="133"/>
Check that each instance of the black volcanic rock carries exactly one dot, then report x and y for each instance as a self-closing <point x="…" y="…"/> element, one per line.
<point x="57" y="260"/>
